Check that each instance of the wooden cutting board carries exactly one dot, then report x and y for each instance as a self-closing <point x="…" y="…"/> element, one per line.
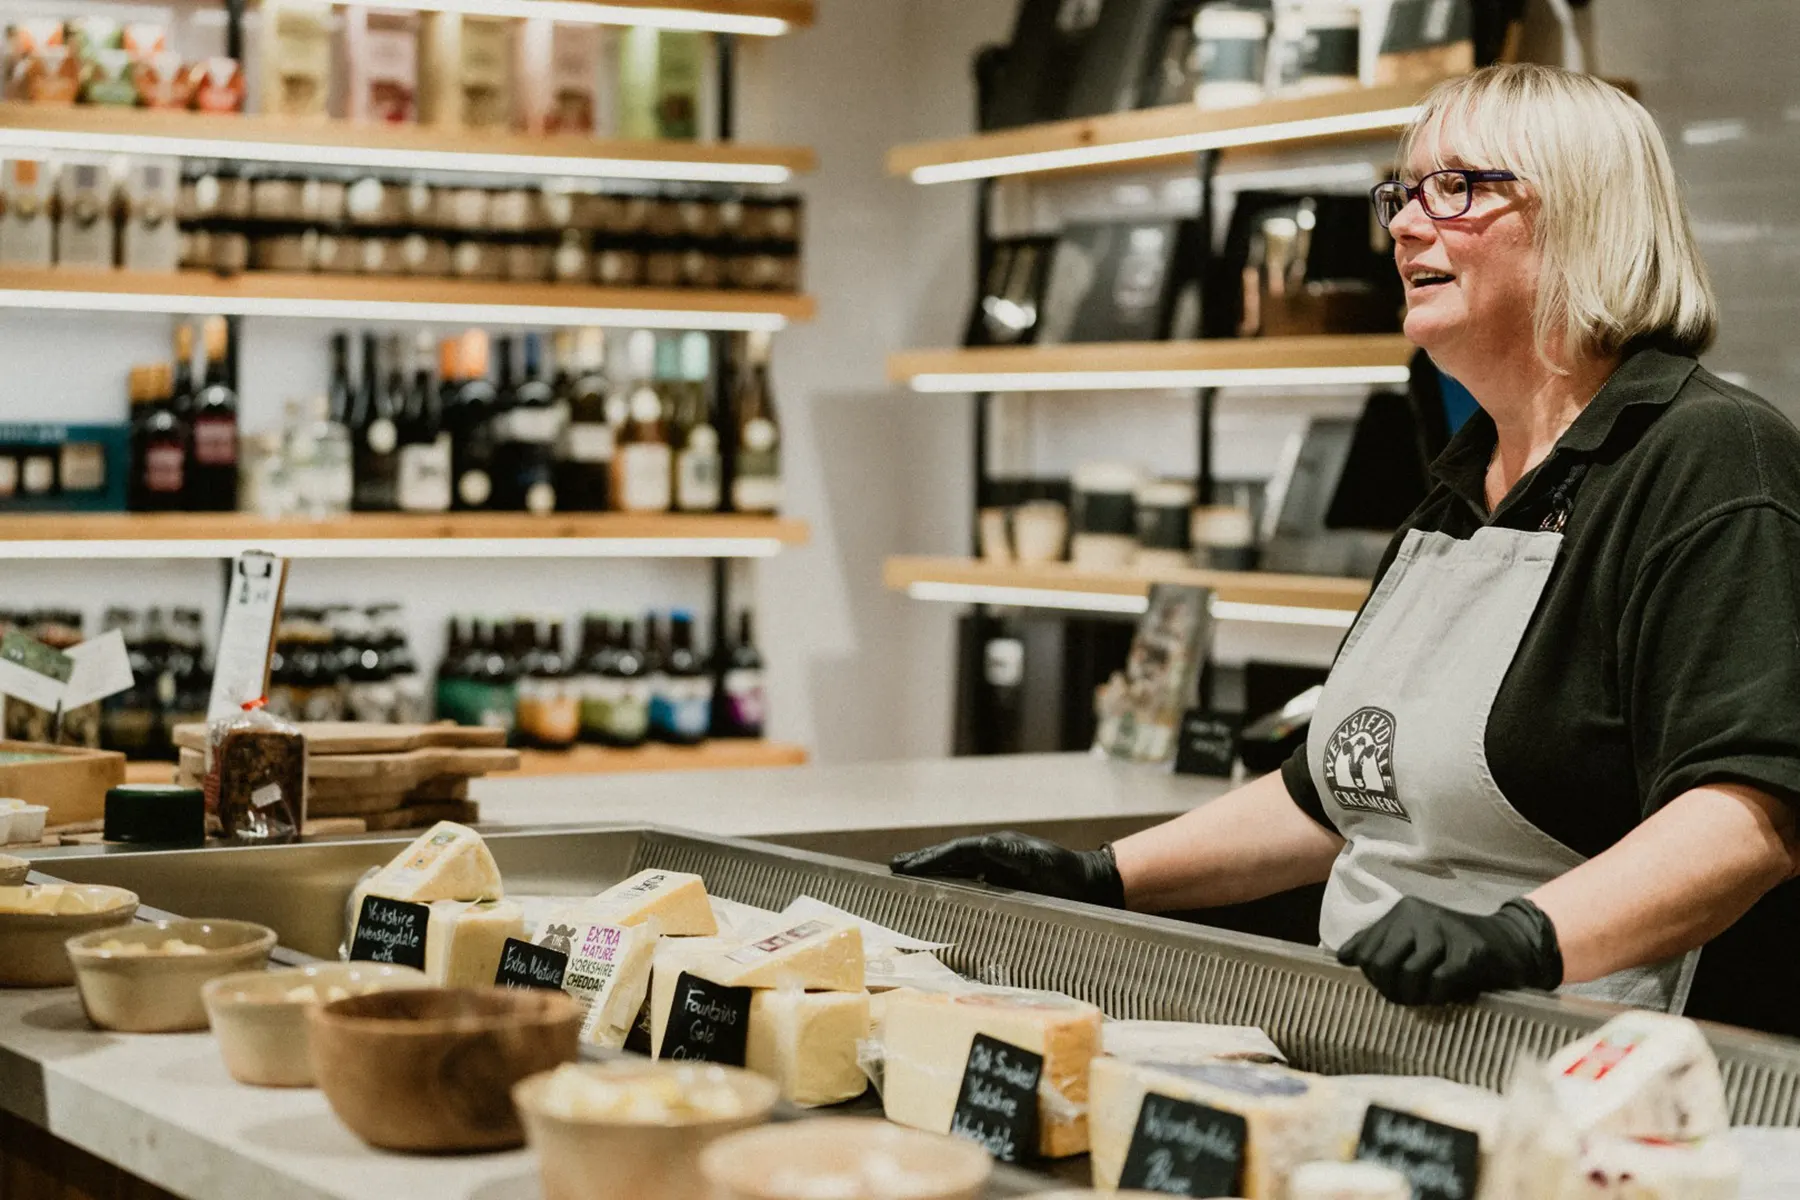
<point x="399" y="772"/>
<point x="352" y="794"/>
<point x="360" y="737"/>
<point x="419" y="816"/>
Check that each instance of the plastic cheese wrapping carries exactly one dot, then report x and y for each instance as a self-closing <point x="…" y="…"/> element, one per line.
<point x="446" y="862"/>
<point x="608" y="973"/>
<point x="675" y="900"/>
<point x="1613" y="1168"/>
<point x="464" y="940"/>
<point x="926" y="1041"/>
<point x="1292" y="1118"/>
<point x="806" y="1042"/>
<point x="1187" y="1042"/>
<point x="1641" y="1075"/>
<point x="819" y="954"/>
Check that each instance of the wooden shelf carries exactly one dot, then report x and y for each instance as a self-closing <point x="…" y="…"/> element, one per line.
<point x="719" y="755"/>
<point x="1217" y="362"/>
<point x="395" y="535"/>
<point x="1059" y="585"/>
<point x="1154" y="134"/>
<point x="372" y="144"/>
<point x="398" y="298"/>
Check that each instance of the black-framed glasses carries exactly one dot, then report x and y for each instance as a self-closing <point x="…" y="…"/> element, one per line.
<point x="1444" y="195"/>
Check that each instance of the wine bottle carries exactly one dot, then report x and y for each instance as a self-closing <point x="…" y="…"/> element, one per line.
<point x="527" y="450"/>
<point x="643" y="462"/>
<point x="756" y="487"/>
<point x="697" y="463"/>
<point x="585" y="450"/>
<point x="470" y="418"/>
<point x="742" y="710"/>
<point x="375" y="434"/>
<point x="213" y="471"/>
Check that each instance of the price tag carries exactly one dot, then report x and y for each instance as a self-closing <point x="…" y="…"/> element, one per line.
<point x="523" y="965"/>
<point x="241" y="670"/>
<point x="1185" y="1149"/>
<point x="102" y="667"/>
<point x="997" y="1105"/>
<point x="1441" y="1162"/>
<point x="33" y="671"/>
<point x="391" y="931"/>
<point x="1205" y="745"/>
<point x="708" y="1022"/>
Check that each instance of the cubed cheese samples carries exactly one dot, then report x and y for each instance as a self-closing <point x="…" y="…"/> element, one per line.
<point x="927" y="1038"/>
<point x="608" y="974"/>
<point x="806" y="1042"/>
<point x="820" y="954"/>
<point x="1641" y="1075"/>
<point x="1288" y="1114"/>
<point x="446" y="862"/>
<point x="464" y="941"/>
<point x="676" y="900"/>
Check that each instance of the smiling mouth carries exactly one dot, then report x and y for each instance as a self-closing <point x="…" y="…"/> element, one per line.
<point x="1426" y="279"/>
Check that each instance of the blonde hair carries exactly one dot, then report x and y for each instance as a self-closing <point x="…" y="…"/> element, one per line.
<point x="1619" y="262"/>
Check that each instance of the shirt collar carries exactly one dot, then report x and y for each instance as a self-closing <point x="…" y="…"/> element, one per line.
<point x="1646" y="376"/>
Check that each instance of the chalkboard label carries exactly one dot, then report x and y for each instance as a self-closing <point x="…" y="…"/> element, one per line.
<point x="523" y="965"/>
<point x="391" y="931"/>
<point x="638" y="1040"/>
<point x="1185" y="1149"/>
<point x="1441" y="1162"/>
<point x="707" y="1022"/>
<point x="1207" y="744"/>
<point x="997" y="1105"/>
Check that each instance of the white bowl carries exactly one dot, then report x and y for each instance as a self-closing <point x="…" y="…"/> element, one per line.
<point x="26" y="823"/>
<point x="261" y="1022"/>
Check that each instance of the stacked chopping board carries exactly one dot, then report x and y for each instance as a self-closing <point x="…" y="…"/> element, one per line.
<point x="367" y="777"/>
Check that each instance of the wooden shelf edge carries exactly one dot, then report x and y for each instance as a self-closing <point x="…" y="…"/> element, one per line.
<point x="128" y="527"/>
<point x="721" y="754"/>
<point x="1325" y="350"/>
<point x="799" y="13"/>
<point x="1244" y="587"/>
<point x="1153" y="124"/>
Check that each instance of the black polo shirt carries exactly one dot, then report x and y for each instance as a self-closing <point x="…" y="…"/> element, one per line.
<point x="1665" y="652"/>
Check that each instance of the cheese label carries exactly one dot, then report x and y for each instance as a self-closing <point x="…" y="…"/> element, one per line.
<point x="1608" y="1054"/>
<point x="523" y="965"/>
<point x="1440" y="1161"/>
<point x="417" y="865"/>
<point x="391" y="931"/>
<point x="1185" y="1149"/>
<point x="774" y="943"/>
<point x="708" y="1022"/>
<point x="997" y="1105"/>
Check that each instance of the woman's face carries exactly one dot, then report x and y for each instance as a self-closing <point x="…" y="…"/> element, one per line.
<point x="1471" y="282"/>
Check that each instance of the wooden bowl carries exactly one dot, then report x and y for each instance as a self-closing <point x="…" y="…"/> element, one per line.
<point x="827" y="1157"/>
<point x="13" y="870"/>
<point x="159" y="992"/>
<point x="598" y="1156"/>
<point x="259" y="1017"/>
<point x="32" y="953"/>
<point x="433" y="1071"/>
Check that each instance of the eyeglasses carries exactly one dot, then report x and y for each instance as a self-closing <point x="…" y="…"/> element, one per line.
<point x="1444" y="195"/>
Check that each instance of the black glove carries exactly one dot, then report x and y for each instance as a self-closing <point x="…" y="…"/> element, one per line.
<point x="1018" y="860"/>
<point x="1423" y="954"/>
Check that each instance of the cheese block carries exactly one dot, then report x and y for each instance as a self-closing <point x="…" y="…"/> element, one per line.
<point x="1641" y="1075"/>
<point x="464" y="940"/>
<point x="1186" y="1042"/>
<point x="1612" y="1168"/>
<point x="806" y="1042"/>
<point x="926" y="1040"/>
<point x="821" y="954"/>
<point x="608" y="974"/>
<point x="446" y="862"/>
<point x="1347" y="1181"/>
<point x="675" y="900"/>
<point x="670" y="958"/>
<point x="1289" y="1114"/>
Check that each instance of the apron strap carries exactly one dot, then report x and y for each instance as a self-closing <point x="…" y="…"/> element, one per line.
<point x="1562" y="500"/>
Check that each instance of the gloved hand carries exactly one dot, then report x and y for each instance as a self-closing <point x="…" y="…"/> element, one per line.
<point x="1018" y="860"/>
<point x="1420" y="953"/>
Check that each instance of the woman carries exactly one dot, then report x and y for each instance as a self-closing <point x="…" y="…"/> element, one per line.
<point x="1559" y="747"/>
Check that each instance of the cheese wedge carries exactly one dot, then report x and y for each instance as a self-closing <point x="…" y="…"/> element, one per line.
<point x="1622" y="1169"/>
<point x="464" y="941"/>
<point x="1641" y="1075"/>
<point x="675" y="900"/>
<point x="1185" y="1042"/>
<point x="926" y="1041"/>
<point x="446" y="862"/>
<point x="1288" y="1114"/>
<point x="806" y="1042"/>
<point x="671" y="957"/>
<point x="608" y="974"/>
<point x="821" y="954"/>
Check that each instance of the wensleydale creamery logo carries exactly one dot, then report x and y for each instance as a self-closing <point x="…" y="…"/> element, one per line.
<point x="1359" y="763"/>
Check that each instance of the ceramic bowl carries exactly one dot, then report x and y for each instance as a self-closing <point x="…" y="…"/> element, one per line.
<point x="13" y="871"/>
<point x="596" y="1157"/>
<point x="832" y="1157"/>
<point x="158" y="992"/>
<point x="32" y="952"/>
<point x="259" y="1017"/>
<point x="432" y="1071"/>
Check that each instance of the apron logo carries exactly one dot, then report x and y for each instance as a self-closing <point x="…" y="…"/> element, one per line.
<point x="1359" y="763"/>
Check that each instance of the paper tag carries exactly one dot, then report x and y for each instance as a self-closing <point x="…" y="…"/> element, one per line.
<point x="1441" y="1162"/>
<point x="102" y="667"/>
<point x="267" y="794"/>
<point x="776" y="942"/>
<point x="708" y="1022"/>
<point x="876" y="938"/>
<point x="33" y="671"/>
<point x="391" y="931"/>
<point x="241" y="673"/>
<point x="997" y="1105"/>
<point x="1185" y="1149"/>
<point x="523" y="965"/>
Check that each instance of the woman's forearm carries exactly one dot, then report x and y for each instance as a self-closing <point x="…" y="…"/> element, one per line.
<point x="1672" y="884"/>
<point x="1250" y="843"/>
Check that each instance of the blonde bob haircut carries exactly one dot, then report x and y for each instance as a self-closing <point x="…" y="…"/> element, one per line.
<point x="1619" y="263"/>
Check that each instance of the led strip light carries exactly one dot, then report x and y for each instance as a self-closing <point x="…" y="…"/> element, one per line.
<point x="414" y="548"/>
<point x="1164" y="147"/>
<point x="1096" y="381"/>
<point x="577" y="12"/>
<point x="561" y="166"/>
<point x="1121" y="602"/>
<point x="390" y="310"/>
